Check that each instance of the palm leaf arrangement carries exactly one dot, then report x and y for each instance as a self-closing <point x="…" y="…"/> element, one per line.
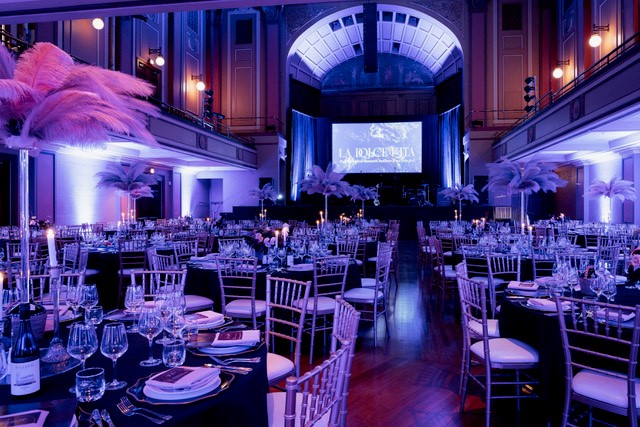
<point x="360" y="192"/>
<point x="523" y="178"/>
<point x="616" y="188"/>
<point x="46" y="99"/>
<point x="458" y="192"/>
<point x="328" y="183"/>
<point x="267" y="192"/>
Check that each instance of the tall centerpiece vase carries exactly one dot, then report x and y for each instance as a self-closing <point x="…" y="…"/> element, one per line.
<point x="460" y="209"/>
<point x="56" y="352"/>
<point x="522" y="209"/>
<point x="610" y="218"/>
<point x="363" y="208"/>
<point x="326" y="208"/>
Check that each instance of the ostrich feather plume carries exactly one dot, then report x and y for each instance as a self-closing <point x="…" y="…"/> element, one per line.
<point x="265" y="193"/>
<point x="360" y="192"/>
<point x="458" y="192"/>
<point x="327" y="183"/>
<point x="526" y="178"/>
<point x="614" y="189"/>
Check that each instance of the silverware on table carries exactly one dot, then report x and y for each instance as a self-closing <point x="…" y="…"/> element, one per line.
<point x="95" y="415"/>
<point x="232" y="369"/>
<point x="235" y="360"/>
<point x="127" y="411"/>
<point x="107" y="418"/>
<point x="125" y="401"/>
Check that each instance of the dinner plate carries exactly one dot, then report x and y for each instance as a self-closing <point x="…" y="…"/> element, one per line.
<point x="159" y="394"/>
<point x="232" y="349"/>
<point x="300" y="267"/>
<point x="136" y="391"/>
<point x="219" y="322"/>
<point x="548" y="309"/>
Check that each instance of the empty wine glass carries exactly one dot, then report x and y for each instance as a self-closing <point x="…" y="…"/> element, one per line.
<point x="163" y="304"/>
<point x="572" y="279"/>
<point x="609" y="288"/>
<point x="149" y="326"/>
<point x="113" y="345"/>
<point x="596" y="286"/>
<point x="88" y="299"/>
<point x="73" y="298"/>
<point x="10" y="297"/>
<point x="133" y="300"/>
<point x="83" y="342"/>
<point x="175" y="323"/>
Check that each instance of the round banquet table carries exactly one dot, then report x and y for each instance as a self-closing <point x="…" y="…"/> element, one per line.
<point x="204" y="281"/>
<point x="244" y="403"/>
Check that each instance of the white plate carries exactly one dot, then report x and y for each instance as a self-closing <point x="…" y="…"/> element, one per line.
<point x="155" y="393"/>
<point x="233" y="349"/>
<point x="621" y="279"/>
<point x="544" y="307"/>
<point x="301" y="267"/>
<point x="212" y="324"/>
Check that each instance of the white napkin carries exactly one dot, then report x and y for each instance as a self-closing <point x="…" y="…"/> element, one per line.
<point x="233" y="338"/>
<point x="182" y="377"/>
<point x="613" y="315"/>
<point x="522" y="286"/>
<point x="206" y="317"/>
<point x="545" y="304"/>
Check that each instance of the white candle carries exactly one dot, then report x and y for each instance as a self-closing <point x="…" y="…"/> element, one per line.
<point x="53" y="259"/>
<point x="123" y="217"/>
<point x="530" y="231"/>
<point x="277" y="233"/>
<point x="318" y="224"/>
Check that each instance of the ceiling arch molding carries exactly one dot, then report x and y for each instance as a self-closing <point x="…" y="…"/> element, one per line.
<point x="337" y="37"/>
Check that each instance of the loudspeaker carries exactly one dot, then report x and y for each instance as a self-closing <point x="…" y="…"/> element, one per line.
<point x="370" y="37"/>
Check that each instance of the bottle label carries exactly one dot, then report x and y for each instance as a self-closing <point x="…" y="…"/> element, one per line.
<point x="25" y="377"/>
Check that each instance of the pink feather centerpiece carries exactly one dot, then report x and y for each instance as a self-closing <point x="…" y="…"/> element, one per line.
<point x="524" y="178"/>
<point x="328" y="183"/>
<point x="360" y="192"/>
<point x="267" y="192"/>
<point x="47" y="100"/>
<point x="616" y="188"/>
<point x="458" y="192"/>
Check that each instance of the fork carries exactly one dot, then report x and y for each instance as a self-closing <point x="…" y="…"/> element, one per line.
<point x="125" y="401"/>
<point x="235" y="360"/>
<point x="129" y="413"/>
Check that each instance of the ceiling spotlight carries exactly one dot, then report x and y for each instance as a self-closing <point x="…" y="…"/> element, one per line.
<point x="159" y="61"/>
<point x="98" y="23"/>
<point x="596" y="40"/>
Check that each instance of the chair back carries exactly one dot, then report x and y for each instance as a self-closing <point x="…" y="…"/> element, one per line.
<point x="574" y="259"/>
<point x="383" y="267"/>
<point x="70" y="257"/>
<point x="473" y="306"/>
<point x="319" y="390"/>
<point x="474" y="258"/>
<point x="184" y="250"/>
<point x="154" y="281"/>
<point x="348" y="246"/>
<point x="611" y="255"/>
<point x="161" y="262"/>
<point x="286" y="309"/>
<point x="237" y="278"/>
<point x="132" y="254"/>
<point x="329" y="275"/>
<point x="596" y="339"/>
<point x="542" y="262"/>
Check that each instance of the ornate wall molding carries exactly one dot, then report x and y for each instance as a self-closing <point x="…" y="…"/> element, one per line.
<point x="449" y="11"/>
<point x="298" y="17"/>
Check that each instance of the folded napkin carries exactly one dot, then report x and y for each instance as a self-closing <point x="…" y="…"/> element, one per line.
<point x="182" y="377"/>
<point x="232" y="338"/>
<point x="545" y="304"/>
<point x="613" y="315"/>
<point x="522" y="286"/>
<point x="206" y="317"/>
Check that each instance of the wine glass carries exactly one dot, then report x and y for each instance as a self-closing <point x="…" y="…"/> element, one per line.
<point x="572" y="278"/>
<point x="73" y="297"/>
<point x="175" y="323"/>
<point x="133" y="300"/>
<point x="113" y="345"/>
<point x="83" y="342"/>
<point x="10" y="297"/>
<point x="149" y="326"/>
<point x="282" y="256"/>
<point x="163" y="304"/>
<point x="609" y="288"/>
<point x="596" y="286"/>
<point x="88" y="299"/>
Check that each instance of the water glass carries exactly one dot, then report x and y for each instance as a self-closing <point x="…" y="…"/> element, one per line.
<point x="113" y="345"/>
<point x="4" y="364"/>
<point x="95" y="315"/>
<point x="149" y="326"/>
<point x="90" y="384"/>
<point x="88" y="298"/>
<point x="173" y="353"/>
<point x="133" y="300"/>
<point x="190" y="331"/>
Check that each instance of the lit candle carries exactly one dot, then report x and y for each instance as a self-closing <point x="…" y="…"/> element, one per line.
<point x="53" y="259"/>
<point x="277" y="233"/>
<point x="321" y="216"/>
<point x="123" y="217"/>
<point x="318" y="224"/>
<point x="530" y="231"/>
<point x="118" y="225"/>
<point x="562" y="217"/>
<point x="132" y="215"/>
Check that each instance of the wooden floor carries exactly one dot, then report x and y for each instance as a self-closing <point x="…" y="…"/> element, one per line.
<point x="412" y="378"/>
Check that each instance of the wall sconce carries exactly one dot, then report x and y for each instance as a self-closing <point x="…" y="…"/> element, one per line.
<point x="595" y="40"/>
<point x="159" y="61"/>
<point x="200" y="83"/>
<point x="98" y="23"/>
<point x="558" y="72"/>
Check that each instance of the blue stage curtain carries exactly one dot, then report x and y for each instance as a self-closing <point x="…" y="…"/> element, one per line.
<point x="303" y="136"/>
<point x="450" y="146"/>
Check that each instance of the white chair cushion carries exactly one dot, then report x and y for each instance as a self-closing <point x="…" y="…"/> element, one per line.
<point x="91" y="272"/>
<point x="242" y="308"/>
<point x="326" y="305"/>
<point x="362" y="295"/>
<point x="128" y="271"/>
<point x="498" y="281"/>
<point x="450" y="274"/>
<point x="278" y="367"/>
<point x="447" y="253"/>
<point x="198" y="303"/>
<point x="506" y="350"/>
<point x="275" y="410"/>
<point x="368" y="282"/>
<point x="492" y="328"/>
<point x="373" y="259"/>
<point x="605" y="388"/>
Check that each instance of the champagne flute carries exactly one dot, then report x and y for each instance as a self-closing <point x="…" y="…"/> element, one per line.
<point x="149" y="326"/>
<point x="83" y="342"/>
<point x="133" y="300"/>
<point x="113" y="345"/>
<point x="88" y="299"/>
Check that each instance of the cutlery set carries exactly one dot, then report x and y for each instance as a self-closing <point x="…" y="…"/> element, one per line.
<point x="126" y="408"/>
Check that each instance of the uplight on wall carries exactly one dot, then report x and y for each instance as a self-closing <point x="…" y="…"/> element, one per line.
<point x="558" y="72"/>
<point x="159" y="61"/>
<point x="200" y="84"/>
<point x="98" y="23"/>
<point x="596" y="40"/>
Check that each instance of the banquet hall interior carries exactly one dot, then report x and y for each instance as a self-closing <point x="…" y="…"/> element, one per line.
<point x="458" y="135"/>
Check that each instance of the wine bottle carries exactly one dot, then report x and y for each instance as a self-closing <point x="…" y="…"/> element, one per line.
<point x="25" y="358"/>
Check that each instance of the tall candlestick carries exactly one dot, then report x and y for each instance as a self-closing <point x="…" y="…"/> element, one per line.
<point x="530" y="231"/>
<point x="318" y="224"/>
<point x="53" y="259"/>
<point x="277" y="233"/>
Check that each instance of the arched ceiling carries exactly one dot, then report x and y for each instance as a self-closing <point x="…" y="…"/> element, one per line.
<point x="402" y="31"/>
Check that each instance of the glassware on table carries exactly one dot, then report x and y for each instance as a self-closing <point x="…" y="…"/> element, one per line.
<point x="609" y="288"/>
<point x="10" y="297"/>
<point x="90" y="384"/>
<point x="597" y="285"/>
<point x="95" y="315"/>
<point x="149" y="326"/>
<point x="73" y="298"/>
<point x="174" y="353"/>
<point x="113" y="345"/>
<point x="4" y="363"/>
<point x="572" y="279"/>
<point x="164" y="305"/>
<point x="88" y="298"/>
<point x="83" y="342"/>
<point x="175" y="323"/>
<point x="190" y="330"/>
<point x="133" y="300"/>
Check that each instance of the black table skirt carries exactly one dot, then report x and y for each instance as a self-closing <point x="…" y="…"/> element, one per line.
<point x="243" y="404"/>
<point x="205" y="282"/>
